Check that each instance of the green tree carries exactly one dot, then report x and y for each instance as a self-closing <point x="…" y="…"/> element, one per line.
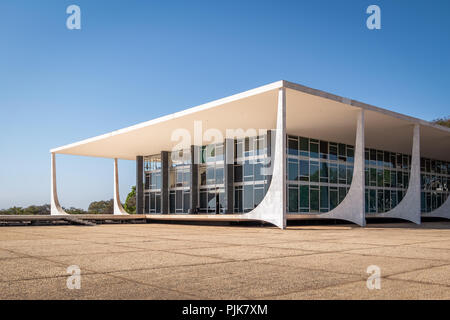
<point x="130" y="203"/>
<point x="443" y="121"/>
<point x="101" y="207"/>
<point x="73" y="210"/>
<point x="12" y="211"/>
<point x="37" y="210"/>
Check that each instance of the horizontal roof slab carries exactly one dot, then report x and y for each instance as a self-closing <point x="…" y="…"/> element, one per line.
<point x="309" y="112"/>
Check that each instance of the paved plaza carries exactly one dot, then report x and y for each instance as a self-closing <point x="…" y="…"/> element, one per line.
<point x="171" y="261"/>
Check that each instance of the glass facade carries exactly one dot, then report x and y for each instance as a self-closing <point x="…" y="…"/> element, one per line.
<point x="386" y="179"/>
<point x="211" y="179"/>
<point x="250" y="172"/>
<point x="435" y="179"/>
<point x="179" y="181"/>
<point x="319" y="174"/>
<point x="153" y="184"/>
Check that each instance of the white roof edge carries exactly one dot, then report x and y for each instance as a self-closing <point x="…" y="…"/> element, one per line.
<point x="249" y="93"/>
<point x="208" y="105"/>
<point x="362" y="105"/>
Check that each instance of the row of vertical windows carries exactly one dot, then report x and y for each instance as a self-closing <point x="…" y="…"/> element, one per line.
<point x="211" y="153"/>
<point x="152" y="202"/>
<point x="212" y="200"/>
<point x="152" y="184"/>
<point x="179" y="181"/>
<point x="211" y="174"/>
<point x="251" y="172"/>
<point x="308" y="170"/>
<point x="430" y="201"/>
<point x="314" y="198"/>
<point x="434" y="166"/>
<point x="250" y="147"/>
<point x="435" y="181"/>
<point x="386" y="179"/>
<point x="211" y="179"/>
<point x="382" y="200"/>
<point x="179" y="201"/>
<point x="312" y="148"/>
<point x="152" y="163"/>
<point x="387" y="159"/>
<point x="319" y="174"/>
<point x="248" y="196"/>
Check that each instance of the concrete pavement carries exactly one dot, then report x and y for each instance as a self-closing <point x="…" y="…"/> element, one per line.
<point x="169" y="261"/>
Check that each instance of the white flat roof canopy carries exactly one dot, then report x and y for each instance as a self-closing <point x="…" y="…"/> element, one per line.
<point x="309" y="112"/>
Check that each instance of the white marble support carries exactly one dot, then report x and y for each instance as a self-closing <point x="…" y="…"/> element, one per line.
<point x="55" y="207"/>
<point x="352" y="208"/>
<point x="118" y="208"/>
<point x="272" y="208"/>
<point x="409" y="208"/>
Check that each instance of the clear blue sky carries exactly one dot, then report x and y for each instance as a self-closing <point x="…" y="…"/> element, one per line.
<point x="136" y="60"/>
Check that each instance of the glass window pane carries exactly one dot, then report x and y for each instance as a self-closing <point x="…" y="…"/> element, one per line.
<point x="259" y="194"/>
<point x="314" y="150"/>
<point x="323" y="198"/>
<point x="238" y="173"/>
<point x="292" y="199"/>
<point x="323" y="149"/>
<point x="219" y="175"/>
<point x="304" y="147"/>
<point x="248" y="197"/>
<point x="333" y="199"/>
<point x="304" y="170"/>
<point x="293" y="146"/>
<point x="314" y="172"/>
<point x="314" y="200"/>
<point x="333" y="174"/>
<point x="324" y="171"/>
<point x="304" y="196"/>
<point x="186" y="201"/>
<point x="248" y="171"/>
<point x="333" y="151"/>
<point x="158" y="202"/>
<point x="292" y="170"/>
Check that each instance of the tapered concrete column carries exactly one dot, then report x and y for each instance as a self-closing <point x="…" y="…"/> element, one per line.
<point x="229" y="174"/>
<point x="139" y="184"/>
<point x="194" y="177"/>
<point x="352" y="208"/>
<point x="118" y="209"/>
<point x="442" y="212"/>
<point x="55" y="207"/>
<point x="409" y="208"/>
<point x="164" y="182"/>
<point x="273" y="206"/>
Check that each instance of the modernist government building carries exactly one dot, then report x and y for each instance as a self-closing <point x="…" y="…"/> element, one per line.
<point x="279" y="152"/>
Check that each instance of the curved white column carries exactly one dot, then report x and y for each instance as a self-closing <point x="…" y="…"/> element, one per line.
<point x="442" y="212"/>
<point x="118" y="209"/>
<point x="272" y="208"/>
<point x="409" y="208"/>
<point x="352" y="208"/>
<point x="55" y="207"/>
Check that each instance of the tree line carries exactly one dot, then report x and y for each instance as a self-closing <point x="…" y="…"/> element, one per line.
<point x="96" y="207"/>
<point x="443" y="121"/>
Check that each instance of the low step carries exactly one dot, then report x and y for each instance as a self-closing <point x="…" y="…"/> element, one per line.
<point x="79" y="221"/>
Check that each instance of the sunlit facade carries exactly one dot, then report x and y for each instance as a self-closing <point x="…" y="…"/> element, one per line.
<point x="311" y="155"/>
